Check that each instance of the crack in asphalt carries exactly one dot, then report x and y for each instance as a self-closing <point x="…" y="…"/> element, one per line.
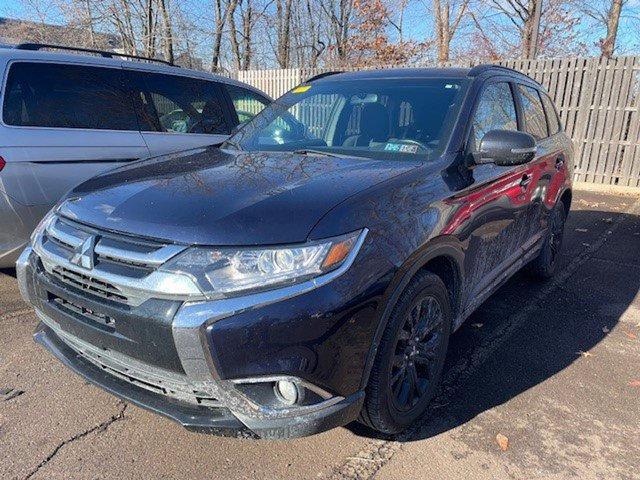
<point x="98" y="428"/>
<point x="375" y="455"/>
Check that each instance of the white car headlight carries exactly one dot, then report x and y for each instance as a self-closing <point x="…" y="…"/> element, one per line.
<point x="223" y="272"/>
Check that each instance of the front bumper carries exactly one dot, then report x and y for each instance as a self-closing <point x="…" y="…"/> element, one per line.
<point x="319" y="338"/>
<point x="218" y="421"/>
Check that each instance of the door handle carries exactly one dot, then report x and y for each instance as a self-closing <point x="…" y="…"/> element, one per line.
<point x="525" y="181"/>
<point x="559" y="163"/>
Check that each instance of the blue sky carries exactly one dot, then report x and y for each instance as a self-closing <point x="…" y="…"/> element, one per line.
<point x="418" y="26"/>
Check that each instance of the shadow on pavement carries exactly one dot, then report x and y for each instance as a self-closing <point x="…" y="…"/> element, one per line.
<point x="8" y="271"/>
<point x="573" y="317"/>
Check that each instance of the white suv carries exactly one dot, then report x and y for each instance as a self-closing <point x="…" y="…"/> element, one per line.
<point x="68" y="117"/>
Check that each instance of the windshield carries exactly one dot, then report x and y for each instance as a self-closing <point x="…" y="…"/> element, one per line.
<point x="382" y="118"/>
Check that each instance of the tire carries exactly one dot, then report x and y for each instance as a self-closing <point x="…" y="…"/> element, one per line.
<point x="426" y="299"/>
<point x="544" y="265"/>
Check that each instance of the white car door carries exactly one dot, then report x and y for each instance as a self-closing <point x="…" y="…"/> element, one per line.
<point x="62" y="124"/>
<point x="178" y="112"/>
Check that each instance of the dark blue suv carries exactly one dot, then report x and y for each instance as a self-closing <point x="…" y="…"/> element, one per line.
<point x="309" y="271"/>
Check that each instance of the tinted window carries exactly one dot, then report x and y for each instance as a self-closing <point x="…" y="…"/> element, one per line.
<point x="69" y="96"/>
<point x="247" y="103"/>
<point x="171" y="103"/>
<point x="496" y="111"/>
<point x="552" y="116"/>
<point x="534" y="118"/>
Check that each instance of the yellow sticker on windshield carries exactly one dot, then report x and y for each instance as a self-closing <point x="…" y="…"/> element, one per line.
<point x="301" y="89"/>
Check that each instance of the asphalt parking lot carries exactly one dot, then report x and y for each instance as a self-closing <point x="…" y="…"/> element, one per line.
<point x="543" y="381"/>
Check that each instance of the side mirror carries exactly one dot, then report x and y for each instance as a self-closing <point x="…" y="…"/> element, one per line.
<point x="507" y="147"/>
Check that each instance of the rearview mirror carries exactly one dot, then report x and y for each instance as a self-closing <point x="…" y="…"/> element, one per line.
<point x="507" y="147"/>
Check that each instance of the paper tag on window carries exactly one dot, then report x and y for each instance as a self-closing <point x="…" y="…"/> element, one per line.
<point x="401" y="148"/>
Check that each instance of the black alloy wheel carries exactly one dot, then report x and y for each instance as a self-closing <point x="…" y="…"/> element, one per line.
<point x="408" y="364"/>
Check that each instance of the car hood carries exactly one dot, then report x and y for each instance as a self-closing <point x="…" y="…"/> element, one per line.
<point x="214" y="197"/>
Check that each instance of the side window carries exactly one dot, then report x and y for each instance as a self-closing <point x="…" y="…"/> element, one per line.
<point x="246" y="103"/>
<point x="552" y="116"/>
<point x="534" y="118"/>
<point x="171" y="103"/>
<point x="67" y="96"/>
<point x="496" y="111"/>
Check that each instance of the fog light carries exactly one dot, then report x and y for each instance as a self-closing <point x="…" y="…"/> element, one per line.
<point x="287" y="392"/>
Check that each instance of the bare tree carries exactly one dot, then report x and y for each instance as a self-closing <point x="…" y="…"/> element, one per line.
<point x="283" y="32"/>
<point x="496" y="19"/>
<point x="447" y="17"/>
<point x="167" y="31"/>
<point x="606" y="15"/>
<point x="339" y="15"/>
<point x="222" y="11"/>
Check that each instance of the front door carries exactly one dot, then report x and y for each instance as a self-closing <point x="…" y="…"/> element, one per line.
<point x="495" y="207"/>
<point x="178" y="112"/>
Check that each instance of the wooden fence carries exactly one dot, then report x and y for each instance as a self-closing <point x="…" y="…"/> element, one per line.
<point x="598" y="101"/>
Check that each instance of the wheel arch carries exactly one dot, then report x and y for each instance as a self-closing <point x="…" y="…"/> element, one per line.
<point x="442" y="256"/>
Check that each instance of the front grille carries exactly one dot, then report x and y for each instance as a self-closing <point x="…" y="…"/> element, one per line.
<point x="105" y="264"/>
<point x="71" y="307"/>
<point x="89" y="284"/>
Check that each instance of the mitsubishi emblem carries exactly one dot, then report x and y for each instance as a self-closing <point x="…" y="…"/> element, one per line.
<point x="83" y="255"/>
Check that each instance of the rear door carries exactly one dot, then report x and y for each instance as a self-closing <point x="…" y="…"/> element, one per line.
<point x="179" y="112"/>
<point x="63" y="123"/>
<point x="559" y="163"/>
<point x="542" y="170"/>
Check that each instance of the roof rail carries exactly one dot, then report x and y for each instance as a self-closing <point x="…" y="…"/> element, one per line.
<point x="102" y="53"/>
<point x="322" y="75"/>
<point x="480" y="69"/>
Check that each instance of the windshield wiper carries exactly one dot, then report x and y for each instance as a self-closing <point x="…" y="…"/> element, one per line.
<point x="308" y="151"/>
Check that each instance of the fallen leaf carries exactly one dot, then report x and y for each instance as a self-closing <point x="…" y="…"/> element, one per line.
<point x="605" y="329"/>
<point x="503" y="442"/>
<point x="477" y="325"/>
<point x="634" y="383"/>
<point x="631" y="335"/>
<point x="608" y="220"/>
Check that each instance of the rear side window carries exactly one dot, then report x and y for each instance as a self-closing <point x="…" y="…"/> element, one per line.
<point x="67" y="96"/>
<point x="246" y="103"/>
<point x="552" y="116"/>
<point x="534" y="117"/>
<point x="496" y="111"/>
<point x="171" y="103"/>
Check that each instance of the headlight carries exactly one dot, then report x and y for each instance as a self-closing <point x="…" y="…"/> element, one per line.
<point x="228" y="271"/>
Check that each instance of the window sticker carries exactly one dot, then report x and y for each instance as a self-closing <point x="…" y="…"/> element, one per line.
<point x="301" y="89"/>
<point x="401" y="148"/>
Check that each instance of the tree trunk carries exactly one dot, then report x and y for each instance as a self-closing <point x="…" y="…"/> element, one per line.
<point x="530" y="29"/>
<point x="168" y="31"/>
<point x="608" y="45"/>
<point x="443" y="33"/>
<point x="247" y="24"/>
<point x="283" y="22"/>
<point x="233" y="34"/>
<point x="220" y="19"/>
